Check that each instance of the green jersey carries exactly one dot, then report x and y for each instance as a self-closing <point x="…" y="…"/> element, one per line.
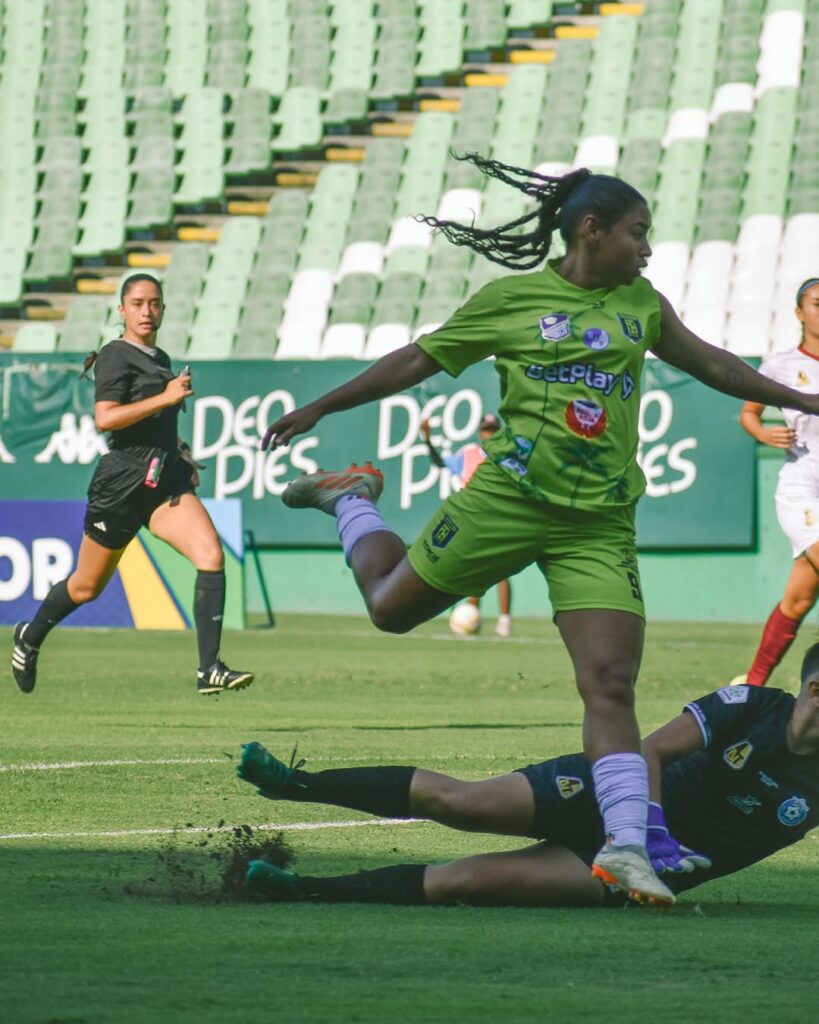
<point x="569" y="362"/>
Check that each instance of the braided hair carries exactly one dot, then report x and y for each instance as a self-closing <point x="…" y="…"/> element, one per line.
<point x="524" y="244"/>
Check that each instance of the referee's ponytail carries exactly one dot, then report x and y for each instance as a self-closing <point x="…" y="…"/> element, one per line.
<point x="561" y="204"/>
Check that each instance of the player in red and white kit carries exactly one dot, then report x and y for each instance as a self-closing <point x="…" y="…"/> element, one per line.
<point x="797" y="493"/>
<point x="462" y="465"/>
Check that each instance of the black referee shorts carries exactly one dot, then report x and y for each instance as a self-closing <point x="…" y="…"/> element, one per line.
<point x="114" y="526"/>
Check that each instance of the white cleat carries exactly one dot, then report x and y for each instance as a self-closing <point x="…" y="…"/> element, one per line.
<point x="323" y="489"/>
<point x="628" y="868"/>
<point x="504" y="626"/>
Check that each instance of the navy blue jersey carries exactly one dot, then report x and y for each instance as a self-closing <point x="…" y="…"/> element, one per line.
<point x="740" y="799"/>
<point x="746" y="794"/>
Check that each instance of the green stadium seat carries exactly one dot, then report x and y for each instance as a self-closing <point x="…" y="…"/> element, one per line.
<point x="85" y="318"/>
<point x="299" y="119"/>
<point x="527" y="13"/>
<point x="254" y="341"/>
<point x="346" y="104"/>
<point x="35" y="337"/>
<point x="49" y="260"/>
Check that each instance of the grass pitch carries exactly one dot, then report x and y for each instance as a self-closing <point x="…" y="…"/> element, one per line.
<point x="115" y="774"/>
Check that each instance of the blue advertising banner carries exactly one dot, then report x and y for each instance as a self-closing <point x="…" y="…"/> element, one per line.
<point x="151" y="589"/>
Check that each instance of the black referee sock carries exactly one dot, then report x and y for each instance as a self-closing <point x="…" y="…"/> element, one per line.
<point x="403" y="884"/>
<point x="56" y="606"/>
<point x="208" y="611"/>
<point x="383" y="791"/>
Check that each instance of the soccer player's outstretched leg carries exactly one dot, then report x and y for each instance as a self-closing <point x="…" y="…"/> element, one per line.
<point x="698" y="830"/>
<point x="560" y="481"/>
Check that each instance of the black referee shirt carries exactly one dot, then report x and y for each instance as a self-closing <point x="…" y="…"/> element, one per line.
<point x="124" y="373"/>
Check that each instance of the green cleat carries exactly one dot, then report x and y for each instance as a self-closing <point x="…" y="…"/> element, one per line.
<point x="273" y="883"/>
<point x="261" y="769"/>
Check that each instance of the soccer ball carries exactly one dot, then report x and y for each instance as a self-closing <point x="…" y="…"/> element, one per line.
<point x="465" y="619"/>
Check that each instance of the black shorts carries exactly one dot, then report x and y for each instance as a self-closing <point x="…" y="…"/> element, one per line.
<point x="114" y="526"/>
<point x="566" y="814"/>
<point x="566" y="811"/>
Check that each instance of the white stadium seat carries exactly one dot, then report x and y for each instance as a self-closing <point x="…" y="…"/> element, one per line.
<point x="344" y="341"/>
<point x="409" y="231"/>
<point x="386" y="338"/>
<point x="706" y="297"/>
<point x="780" y="51"/>
<point x="460" y="204"/>
<point x="733" y="97"/>
<point x="598" y="151"/>
<point x="667" y="268"/>
<point x="362" y="258"/>
<point x="686" y="123"/>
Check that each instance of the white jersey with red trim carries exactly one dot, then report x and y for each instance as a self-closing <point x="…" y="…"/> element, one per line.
<point x="799" y="477"/>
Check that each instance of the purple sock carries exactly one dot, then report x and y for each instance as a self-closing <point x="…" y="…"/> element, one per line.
<point x="357" y="517"/>
<point x="621" y="788"/>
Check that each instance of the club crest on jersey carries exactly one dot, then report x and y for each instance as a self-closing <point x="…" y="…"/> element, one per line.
<point x="802" y="379"/>
<point x="631" y="327"/>
<point x="793" y="811"/>
<point x="568" y="786"/>
<point x="596" y="338"/>
<point x="734" y="694"/>
<point x="443" y="532"/>
<point x="736" y="756"/>
<point x="586" y="418"/>
<point x="810" y="518"/>
<point x="555" y="326"/>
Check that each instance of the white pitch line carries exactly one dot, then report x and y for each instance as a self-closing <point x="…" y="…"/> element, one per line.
<point x="48" y="766"/>
<point x="301" y="826"/>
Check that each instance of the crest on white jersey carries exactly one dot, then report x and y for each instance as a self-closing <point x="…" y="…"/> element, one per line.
<point x="734" y="694"/>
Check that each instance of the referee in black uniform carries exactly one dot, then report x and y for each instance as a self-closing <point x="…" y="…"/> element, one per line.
<point x="146" y="479"/>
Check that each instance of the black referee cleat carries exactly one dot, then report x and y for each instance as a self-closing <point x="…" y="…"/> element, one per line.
<point x="24" y="660"/>
<point x="219" y="678"/>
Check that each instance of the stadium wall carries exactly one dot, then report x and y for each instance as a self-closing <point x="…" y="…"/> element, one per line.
<point x="691" y="586"/>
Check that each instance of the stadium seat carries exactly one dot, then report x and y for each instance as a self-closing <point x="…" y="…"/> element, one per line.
<point x="35" y="337"/>
<point x="704" y="307"/>
<point x="84" y="320"/>
<point x="344" y="341"/>
<point x="667" y="269"/>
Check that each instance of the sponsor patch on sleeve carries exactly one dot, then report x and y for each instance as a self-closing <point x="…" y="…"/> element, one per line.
<point x="735" y="694"/>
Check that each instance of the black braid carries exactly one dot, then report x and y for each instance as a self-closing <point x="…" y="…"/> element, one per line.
<point x="87" y="363"/>
<point x="505" y="244"/>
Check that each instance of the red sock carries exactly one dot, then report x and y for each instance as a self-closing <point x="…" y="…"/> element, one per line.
<point x="777" y="636"/>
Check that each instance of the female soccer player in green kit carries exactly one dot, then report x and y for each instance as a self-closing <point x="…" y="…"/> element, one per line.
<point x="561" y="480"/>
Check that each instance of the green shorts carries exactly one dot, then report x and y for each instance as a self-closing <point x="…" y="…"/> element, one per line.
<point x="490" y="531"/>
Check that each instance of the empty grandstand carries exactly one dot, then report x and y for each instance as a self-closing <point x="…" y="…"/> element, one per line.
<point x="268" y="157"/>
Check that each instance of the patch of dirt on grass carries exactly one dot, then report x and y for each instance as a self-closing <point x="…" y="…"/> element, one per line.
<point x="211" y="866"/>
